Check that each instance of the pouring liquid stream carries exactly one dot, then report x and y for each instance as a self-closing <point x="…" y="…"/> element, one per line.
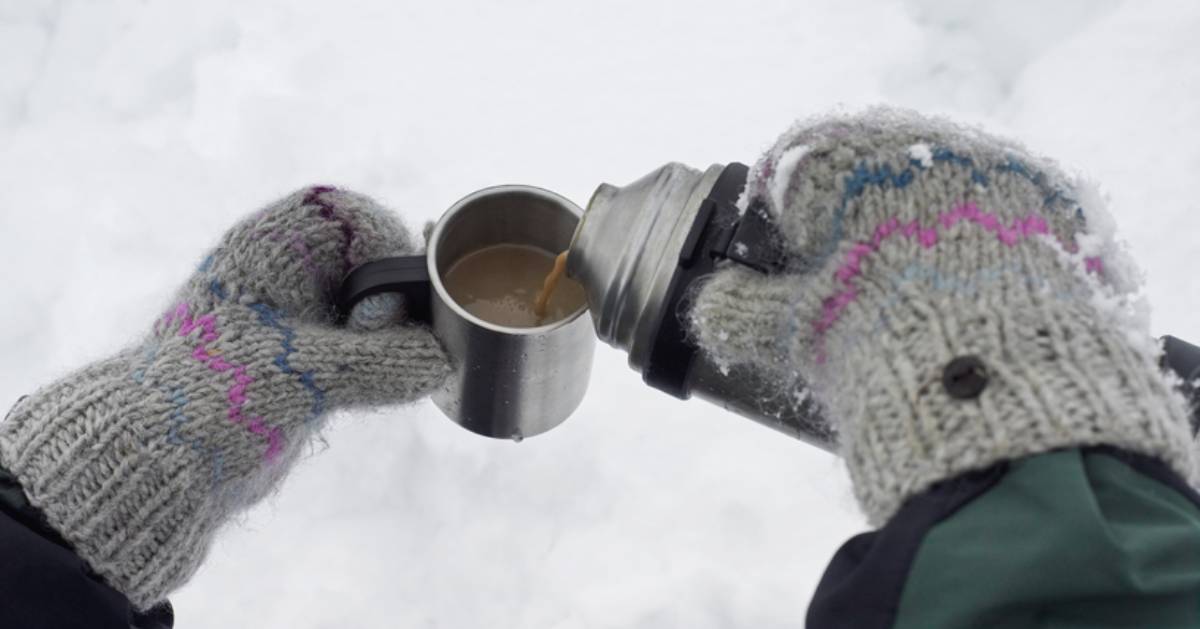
<point x="514" y="285"/>
<point x="551" y="282"/>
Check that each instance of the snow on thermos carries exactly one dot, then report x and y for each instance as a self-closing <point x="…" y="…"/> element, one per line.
<point x="637" y="252"/>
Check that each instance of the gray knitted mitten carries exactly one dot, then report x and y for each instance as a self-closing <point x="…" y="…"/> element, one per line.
<point x="915" y="242"/>
<point x="137" y="460"/>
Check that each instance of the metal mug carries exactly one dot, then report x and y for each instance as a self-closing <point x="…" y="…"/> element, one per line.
<point x="508" y="382"/>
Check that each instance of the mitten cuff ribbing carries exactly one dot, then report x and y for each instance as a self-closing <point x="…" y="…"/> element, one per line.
<point x="134" y="507"/>
<point x="1050" y="378"/>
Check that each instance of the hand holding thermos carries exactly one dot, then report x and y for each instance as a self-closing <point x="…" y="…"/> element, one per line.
<point x="955" y="301"/>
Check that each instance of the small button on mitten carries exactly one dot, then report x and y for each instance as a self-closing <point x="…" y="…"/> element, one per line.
<point x="965" y="377"/>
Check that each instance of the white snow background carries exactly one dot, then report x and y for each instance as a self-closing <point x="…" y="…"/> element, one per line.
<point x="133" y="132"/>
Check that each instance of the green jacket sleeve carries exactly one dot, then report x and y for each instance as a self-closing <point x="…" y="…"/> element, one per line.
<point x="1093" y="538"/>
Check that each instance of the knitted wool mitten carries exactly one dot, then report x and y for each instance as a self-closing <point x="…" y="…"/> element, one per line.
<point x="137" y="460"/>
<point x="914" y="242"/>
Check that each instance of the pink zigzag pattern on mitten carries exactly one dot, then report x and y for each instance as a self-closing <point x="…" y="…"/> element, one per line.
<point x="834" y="306"/>
<point x="241" y="379"/>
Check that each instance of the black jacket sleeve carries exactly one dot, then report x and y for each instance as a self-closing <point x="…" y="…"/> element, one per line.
<point x="45" y="585"/>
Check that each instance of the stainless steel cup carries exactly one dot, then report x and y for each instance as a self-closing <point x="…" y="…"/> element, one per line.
<point x="508" y="382"/>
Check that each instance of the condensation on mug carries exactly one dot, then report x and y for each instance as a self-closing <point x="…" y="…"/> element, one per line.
<point x="510" y="381"/>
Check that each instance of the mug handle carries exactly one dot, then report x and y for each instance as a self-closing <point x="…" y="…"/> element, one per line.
<point x="407" y="275"/>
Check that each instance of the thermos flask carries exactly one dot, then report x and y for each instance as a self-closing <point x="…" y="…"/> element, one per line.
<point x="638" y="251"/>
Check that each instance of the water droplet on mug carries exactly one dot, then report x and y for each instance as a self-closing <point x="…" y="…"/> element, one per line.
<point x="517" y="437"/>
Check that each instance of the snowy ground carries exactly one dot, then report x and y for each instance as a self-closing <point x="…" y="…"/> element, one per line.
<point x="132" y="132"/>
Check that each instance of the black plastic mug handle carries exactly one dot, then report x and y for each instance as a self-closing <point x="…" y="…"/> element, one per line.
<point x="408" y="275"/>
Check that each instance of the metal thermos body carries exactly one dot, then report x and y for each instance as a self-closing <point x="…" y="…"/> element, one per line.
<point x="631" y="250"/>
